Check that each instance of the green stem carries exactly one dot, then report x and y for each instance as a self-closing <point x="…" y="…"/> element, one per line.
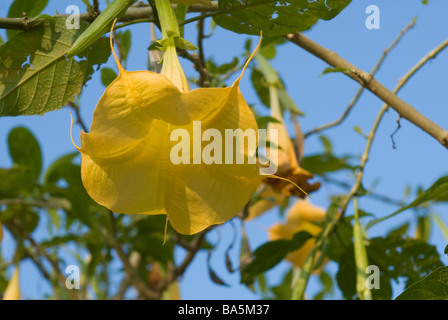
<point x="168" y="21"/>
<point x="171" y="67"/>
<point x="360" y="257"/>
<point x="302" y="281"/>
<point x="298" y="291"/>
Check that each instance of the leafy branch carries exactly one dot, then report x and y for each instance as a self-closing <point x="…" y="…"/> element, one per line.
<point x="308" y="265"/>
<point x="136" y="12"/>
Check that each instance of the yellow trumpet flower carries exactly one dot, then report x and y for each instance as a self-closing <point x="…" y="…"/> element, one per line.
<point x="275" y="191"/>
<point x="12" y="291"/>
<point x="126" y="163"/>
<point x="302" y="216"/>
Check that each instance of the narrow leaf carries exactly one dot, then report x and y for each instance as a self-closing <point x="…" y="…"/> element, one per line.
<point x="270" y="254"/>
<point x="25" y="152"/>
<point x="438" y="190"/>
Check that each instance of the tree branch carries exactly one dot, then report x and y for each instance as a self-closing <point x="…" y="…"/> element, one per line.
<point x="134" y="277"/>
<point x="299" y="290"/>
<point x="50" y="203"/>
<point x="79" y="120"/>
<point x="40" y="250"/>
<point x="404" y="109"/>
<point x="192" y="248"/>
<point x="361" y="89"/>
<point x="139" y="11"/>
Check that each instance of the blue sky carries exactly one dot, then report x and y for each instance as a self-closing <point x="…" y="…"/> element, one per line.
<point x="418" y="160"/>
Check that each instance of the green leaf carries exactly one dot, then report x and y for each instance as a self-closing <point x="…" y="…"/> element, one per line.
<point x="245" y="251"/>
<point x="403" y="257"/>
<point x="88" y="5"/>
<point x="107" y="76"/>
<point x="225" y="67"/>
<point x="148" y="238"/>
<point x="283" y="291"/>
<point x="23" y="216"/>
<point x="261" y="86"/>
<point x="338" y="69"/>
<point x="423" y="228"/>
<point x="270" y="75"/>
<point x="268" y="46"/>
<point x="180" y="42"/>
<point x="60" y="240"/>
<point x="36" y="77"/>
<point x="287" y="103"/>
<point x="270" y="254"/>
<point x="327" y="285"/>
<point x="323" y="163"/>
<point x="275" y="18"/>
<point x="437" y="191"/>
<point x="433" y="287"/>
<point x="54" y="217"/>
<point x="326" y="143"/>
<point x="25" y="152"/>
<point x="346" y="275"/>
<point x="262" y="122"/>
<point x="64" y="171"/>
<point x="184" y="44"/>
<point x="32" y="8"/>
<point x="442" y="226"/>
<point x="359" y="130"/>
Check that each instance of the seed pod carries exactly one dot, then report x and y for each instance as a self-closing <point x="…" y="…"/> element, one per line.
<point x="100" y="26"/>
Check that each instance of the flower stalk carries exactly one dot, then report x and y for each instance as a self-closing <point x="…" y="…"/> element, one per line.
<point x="171" y="67"/>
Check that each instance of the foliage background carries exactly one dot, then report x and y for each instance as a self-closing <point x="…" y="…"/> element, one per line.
<point x="417" y="162"/>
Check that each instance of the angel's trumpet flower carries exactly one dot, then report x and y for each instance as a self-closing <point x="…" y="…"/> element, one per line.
<point x="12" y="291"/>
<point x="275" y="191"/>
<point x="302" y="216"/>
<point x="126" y="164"/>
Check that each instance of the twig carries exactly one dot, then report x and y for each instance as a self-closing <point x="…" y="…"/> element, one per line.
<point x="143" y="289"/>
<point x="38" y="263"/>
<point x="305" y="273"/>
<point x="372" y="195"/>
<point x="35" y="203"/>
<point x="202" y="82"/>
<point x="124" y="286"/>
<point x="361" y="89"/>
<point x="394" y="145"/>
<point x="384" y="108"/>
<point x="96" y="7"/>
<point x="366" y="80"/>
<point x="193" y="57"/>
<point x="79" y="120"/>
<point x="42" y="252"/>
<point x="192" y="249"/>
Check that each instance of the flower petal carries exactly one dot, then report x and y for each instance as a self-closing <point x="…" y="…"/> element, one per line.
<point x="12" y="291"/>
